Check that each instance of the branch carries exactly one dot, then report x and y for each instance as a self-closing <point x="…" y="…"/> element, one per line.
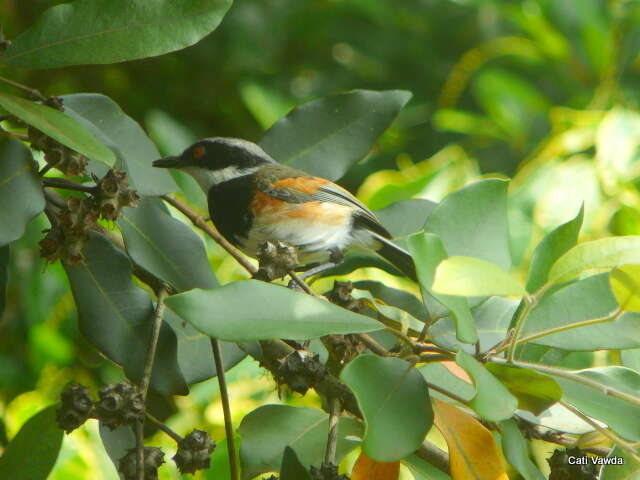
<point x="332" y="437"/>
<point x="522" y="316"/>
<point x="163" y="427"/>
<point x="65" y="184"/>
<point x="31" y="91"/>
<point x="146" y="378"/>
<point x="226" y="409"/>
<point x="570" y="375"/>
<point x="199" y="222"/>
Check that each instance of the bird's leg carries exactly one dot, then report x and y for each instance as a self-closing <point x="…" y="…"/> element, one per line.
<point x="335" y="258"/>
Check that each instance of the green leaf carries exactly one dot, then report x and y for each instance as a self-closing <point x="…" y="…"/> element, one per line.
<point x="516" y="449"/>
<point x="437" y="374"/>
<point x="625" y="287"/>
<point x="427" y="252"/>
<point x="535" y="391"/>
<point x="473" y="277"/>
<point x="164" y="246"/>
<point x="393" y="397"/>
<point x="628" y="469"/>
<point x="405" y="217"/>
<point x="472" y="222"/>
<point x="604" y="253"/>
<point x="325" y="137"/>
<point x="21" y="196"/>
<point x="58" y="126"/>
<point x="423" y="470"/>
<point x="220" y="467"/>
<point x="269" y="429"/>
<point x="492" y="400"/>
<point x="395" y="297"/>
<point x="117" y="442"/>
<point x="94" y="32"/>
<point x="622" y="417"/>
<point x="576" y="302"/>
<point x="124" y="136"/>
<point x="631" y="359"/>
<point x="555" y="244"/>
<point x="250" y="310"/>
<point x="5" y="258"/>
<point x="34" y="450"/>
<point x="291" y="468"/>
<point x="115" y="316"/>
<point x="492" y="319"/>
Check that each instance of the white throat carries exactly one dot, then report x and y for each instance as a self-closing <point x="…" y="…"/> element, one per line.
<point x="208" y="178"/>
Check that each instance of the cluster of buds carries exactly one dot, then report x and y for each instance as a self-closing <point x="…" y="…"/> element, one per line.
<point x="66" y="239"/>
<point x="57" y="155"/>
<point x="275" y="260"/>
<point x="119" y="404"/>
<point x="113" y="194"/>
<point x="194" y="452"/>
<point x="340" y="295"/>
<point x="327" y="471"/>
<point x="76" y="407"/>
<point x="153" y="458"/>
<point x="300" y="370"/>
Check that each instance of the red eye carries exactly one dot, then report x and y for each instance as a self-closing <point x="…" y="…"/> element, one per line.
<point x="198" y="152"/>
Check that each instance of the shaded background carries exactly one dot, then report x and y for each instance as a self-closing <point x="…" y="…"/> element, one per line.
<point x="543" y="90"/>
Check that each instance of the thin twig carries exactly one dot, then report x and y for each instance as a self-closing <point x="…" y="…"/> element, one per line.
<point x="199" y="222"/>
<point x="163" y="427"/>
<point x="447" y="393"/>
<point x="332" y="437"/>
<point x="226" y="409"/>
<point x="302" y="284"/>
<point x="372" y="345"/>
<point x="31" y="91"/>
<point x="520" y="320"/>
<point x="146" y="378"/>
<point x="67" y="185"/>
<point x="43" y="171"/>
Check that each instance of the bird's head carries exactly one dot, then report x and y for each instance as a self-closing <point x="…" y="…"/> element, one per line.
<point x="215" y="160"/>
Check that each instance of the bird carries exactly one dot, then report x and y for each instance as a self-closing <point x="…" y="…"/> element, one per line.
<point x="253" y="199"/>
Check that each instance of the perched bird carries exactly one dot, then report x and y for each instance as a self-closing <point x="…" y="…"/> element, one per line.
<point x="253" y="199"/>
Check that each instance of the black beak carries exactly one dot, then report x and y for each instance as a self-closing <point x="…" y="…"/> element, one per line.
<point x="168" y="162"/>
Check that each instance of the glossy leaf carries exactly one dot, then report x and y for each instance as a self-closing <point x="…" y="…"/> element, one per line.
<point x="473" y="277"/>
<point x="260" y="311"/>
<point x="535" y="391"/>
<point x="516" y="449"/>
<point x="115" y="316"/>
<point x="134" y="151"/>
<point x="93" y="32"/>
<point x="427" y="252"/>
<point x="555" y="244"/>
<point x="117" y="442"/>
<point x="625" y="287"/>
<point x="32" y="453"/>
<point x="622" y="417"/>
<point x="368" y="469"/>
<point x="58" y="126"/>
<point x="604" y="253"/>
<point x="405" y="217"/>
<point x="436" y="373"/>
<point x="492" y="400"/>
<point x="629" y="469"/>
<point x="473" y="454"/>
<point x="21" y="196"/>
<point x="423" y="470"/>
<point x="491" y="318"/>
<point x="585" y="299"/>
<point x="472" y="222"/>
<point x="395" y="297"/>
<point x="269" y="429"/>
<point x="393" y="397"/>
<point x="164" y="246"/>
<point x="325" y="137"/>
<point x="5" y="257"/>
<point x="291" y="468"/>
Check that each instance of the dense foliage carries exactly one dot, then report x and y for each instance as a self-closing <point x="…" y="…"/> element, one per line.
<point x="497" y="141"/>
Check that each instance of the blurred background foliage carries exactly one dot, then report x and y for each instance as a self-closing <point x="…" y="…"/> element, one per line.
<point x="544" y="91"/>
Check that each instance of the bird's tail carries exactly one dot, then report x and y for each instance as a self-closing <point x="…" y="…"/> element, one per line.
<point x="397" y="257"/>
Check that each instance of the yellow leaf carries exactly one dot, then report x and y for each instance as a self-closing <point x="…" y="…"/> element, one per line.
<point x="368" y="469"/>
<point x="473" y="454"/>
<point x="625" y="285"/>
